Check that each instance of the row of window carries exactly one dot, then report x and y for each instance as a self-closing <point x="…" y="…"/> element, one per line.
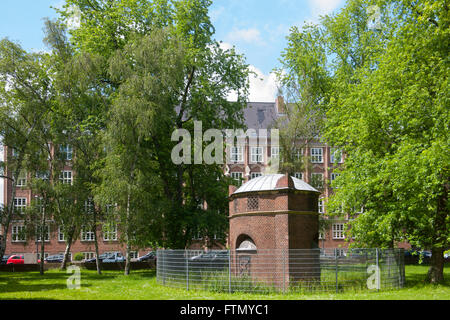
<point x="18" y="234"/>
<point x="337" y="232"/>
<point x="65" y="177"/>
<point x="257" y="156"/>
<point x="20" y="204"/>
<point x="65" y="152"/>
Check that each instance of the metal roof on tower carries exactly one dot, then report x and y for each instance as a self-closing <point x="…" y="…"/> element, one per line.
<point x="269" y="182"/>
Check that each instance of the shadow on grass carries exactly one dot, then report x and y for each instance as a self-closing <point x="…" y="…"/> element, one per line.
<point x="416" y="276"/>
<point x="15" y="285"/>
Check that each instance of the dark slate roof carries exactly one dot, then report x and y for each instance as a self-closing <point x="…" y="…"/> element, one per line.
<point x="260" y="115"/>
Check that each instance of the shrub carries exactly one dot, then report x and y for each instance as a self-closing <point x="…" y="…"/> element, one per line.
<point x="78" y="256"/>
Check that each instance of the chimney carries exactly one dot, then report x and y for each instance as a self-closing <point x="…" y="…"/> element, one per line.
<point x="280" y="105"/>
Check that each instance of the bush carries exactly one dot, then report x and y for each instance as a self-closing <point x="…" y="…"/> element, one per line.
<point x="78" y="256"/>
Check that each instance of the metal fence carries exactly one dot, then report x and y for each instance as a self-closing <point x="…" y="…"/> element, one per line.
<point x="267" y="271"/>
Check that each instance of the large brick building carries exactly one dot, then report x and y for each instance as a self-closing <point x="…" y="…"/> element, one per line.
<point x="250" y="160"/>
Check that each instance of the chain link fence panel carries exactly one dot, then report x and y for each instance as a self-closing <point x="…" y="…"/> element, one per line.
<point x="267" y="271"/>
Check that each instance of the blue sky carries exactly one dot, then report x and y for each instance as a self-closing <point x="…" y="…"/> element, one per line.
<point x="257" y="28"/>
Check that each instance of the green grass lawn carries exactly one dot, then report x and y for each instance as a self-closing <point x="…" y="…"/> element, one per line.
<point x="142" y="285"/>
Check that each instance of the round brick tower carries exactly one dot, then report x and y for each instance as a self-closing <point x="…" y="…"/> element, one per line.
<point x="275" y="213"/>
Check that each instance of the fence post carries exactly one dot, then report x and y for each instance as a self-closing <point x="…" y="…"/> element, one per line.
<point x="187" y="271"/>
<point x="229" y="271"/>
<point x="336" y="267"/>
<point x="284" y="271"/>
<point x="158" y="276"/>
<point x="378" y="271"/>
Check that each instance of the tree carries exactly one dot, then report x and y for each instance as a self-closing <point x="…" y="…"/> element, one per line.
<point x="160" y="67"/>
<point x="388" y="110"/>
<point x="25" y="99"/>
<point x="401" y="133"/>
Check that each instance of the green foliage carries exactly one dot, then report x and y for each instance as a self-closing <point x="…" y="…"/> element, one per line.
<point x="386" y="102"/>
<point x="78" y="256"/>
<point x="159" y="70"/>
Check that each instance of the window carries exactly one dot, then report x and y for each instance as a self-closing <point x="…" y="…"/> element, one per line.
<point x="297" y="154"/>
<point x="46" y="233"/>
<point x="14" y="153"/>
<point x="18" y="233"/>
<point x="338" y="231"/>
<point x="321" y="207"/>
<point x="66" y="152"/>
<point x="275" y="152"/>
<point x="254" y="175"/>
<point x="87" y="234"/>
<point x="317" y="155"/>
<point x="256" y="154"/>
<point x="197" y="236"/>
<point x="340" y="252"/>
<point x="110" y="208"/>
<point x="236" y="154"/>
<point x="317" y="180"/>
<point x="89" y="206"/>
<point x="20" y="204"/>
<point x="335" y="155"/>
<point x="22" y="179"/>
<point x="298" y="175"/>
<point x="134" y="254"/>
<point x="43" y="175"/>
<point x="88" y="255"/>
<point x="321" y="235"/>
<point x="110" y="232"/>
<point x="61" y="236"/>
<point x="334" y="176"/>
<point x="66" y="177"/>
<point x="252" y="203"/>
<point x="39" y="203"/>
<point x="237" y="176"/>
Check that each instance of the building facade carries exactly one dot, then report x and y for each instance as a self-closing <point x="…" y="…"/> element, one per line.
<point x="247" y="161"/>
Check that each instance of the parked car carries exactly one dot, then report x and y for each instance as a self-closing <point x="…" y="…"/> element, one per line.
<point x="5" y="259"/>
<point x="101" y="257"/>
<point x="148" y="257"/>
<point x="16" y="259"/>
<point x="114" y="257"/>
<point x="417" y="253"/>
<point x="212" y="260"/>
<point x="55" y="258"/>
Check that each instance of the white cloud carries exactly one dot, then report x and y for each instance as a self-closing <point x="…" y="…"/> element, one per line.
<point x="251" y="35"/>
<point x="322" y="7"/>
<point x="263" y="87"/>
<point x="225" y="46"/>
